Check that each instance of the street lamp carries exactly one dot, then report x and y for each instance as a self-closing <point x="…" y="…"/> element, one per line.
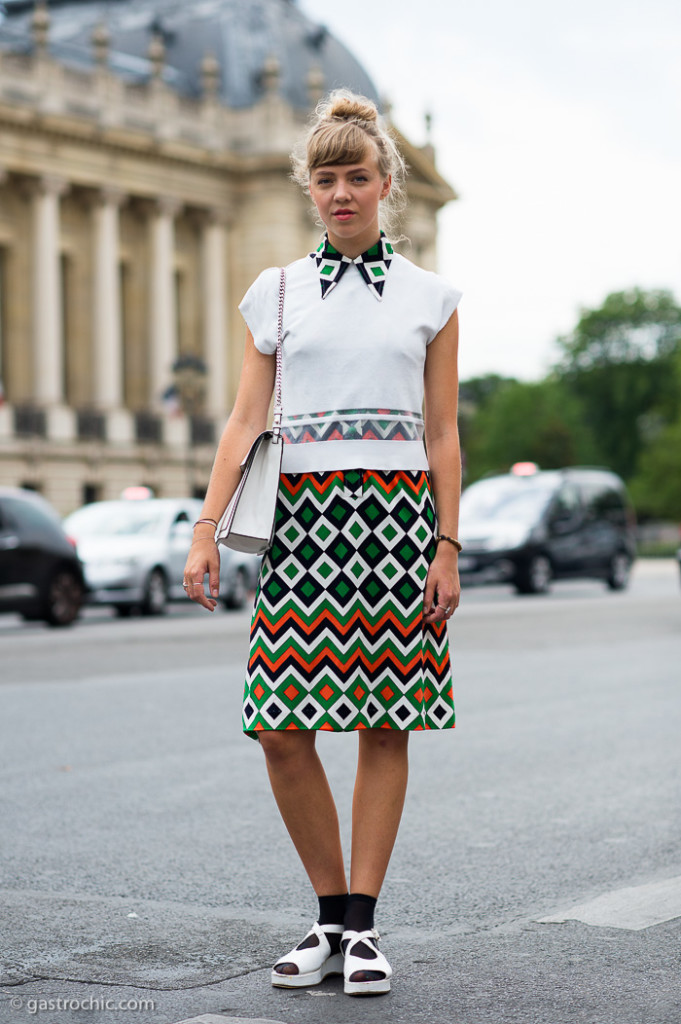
<point x="189" y="386"/>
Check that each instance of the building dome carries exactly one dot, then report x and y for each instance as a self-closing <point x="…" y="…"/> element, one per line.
<point x="242" y="35"/>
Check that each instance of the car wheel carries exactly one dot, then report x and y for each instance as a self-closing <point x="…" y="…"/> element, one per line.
<point x="64" y="598"/>
<point x="535" y="576"/>
<point x="236" y="598"/>
<point x="619" y="571"/>
<point x="155" y="600"/>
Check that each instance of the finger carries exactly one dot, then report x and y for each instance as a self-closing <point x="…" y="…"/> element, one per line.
<point x="429" y="594"/>
<point x="214" y="580"/>
<point x="436" y="614"/>
<point x="197" y="594"/>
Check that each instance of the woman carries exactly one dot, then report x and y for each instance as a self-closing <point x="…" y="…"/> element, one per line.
<point x="349" y="625"/>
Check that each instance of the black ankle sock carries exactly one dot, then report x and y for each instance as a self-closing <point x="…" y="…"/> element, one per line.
<point x="359" y="915"/>
<point x="332" y="909"/>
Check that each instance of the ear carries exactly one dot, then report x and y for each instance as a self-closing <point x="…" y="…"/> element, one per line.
<point x="387" y="185"/>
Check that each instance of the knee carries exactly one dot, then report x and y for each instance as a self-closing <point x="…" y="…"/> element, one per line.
<point x="385" y="742"/>
<point x="286" y="750"/>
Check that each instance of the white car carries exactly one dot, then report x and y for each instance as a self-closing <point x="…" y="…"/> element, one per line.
<point x="134" y="552"/>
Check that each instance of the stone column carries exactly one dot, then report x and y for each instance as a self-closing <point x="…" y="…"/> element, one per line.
<point x="214" y="281"/>
<point x="48" y="343"/>
<point x="6" y="423"/>
<point x="107" y="328"/>
<point x="163" y="323"/>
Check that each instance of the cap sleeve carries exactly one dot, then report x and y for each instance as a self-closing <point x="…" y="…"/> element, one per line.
<point x="259" y="308"/>
<point x="444" y="305"/>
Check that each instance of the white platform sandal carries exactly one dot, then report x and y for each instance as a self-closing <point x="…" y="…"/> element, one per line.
<point x="362" y="954"/>
<point x="312" y="957"/>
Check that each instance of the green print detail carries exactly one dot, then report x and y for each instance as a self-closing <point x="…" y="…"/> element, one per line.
<point x="344" y="645"/>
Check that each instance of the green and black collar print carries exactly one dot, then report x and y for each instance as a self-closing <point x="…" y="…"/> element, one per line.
<point x="373" y="265"/>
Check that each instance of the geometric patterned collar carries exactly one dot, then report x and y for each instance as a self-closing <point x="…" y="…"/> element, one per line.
<point x="373" y="265"/>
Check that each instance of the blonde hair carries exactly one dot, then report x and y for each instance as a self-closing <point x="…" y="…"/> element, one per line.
<point x="343" y="127"/>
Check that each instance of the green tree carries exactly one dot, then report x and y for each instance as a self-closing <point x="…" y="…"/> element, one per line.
<point x="656" y="488"/>
<point x="539" y="422"/>
<point x="619" y="362"/>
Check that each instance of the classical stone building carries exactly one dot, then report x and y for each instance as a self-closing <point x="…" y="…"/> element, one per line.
<point x="144" y="163"/>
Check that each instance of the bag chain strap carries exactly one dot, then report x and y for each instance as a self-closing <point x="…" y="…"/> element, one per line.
<point x="277" y="380"/>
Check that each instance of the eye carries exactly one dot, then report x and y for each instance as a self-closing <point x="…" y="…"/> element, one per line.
<point x="360" y="177"/>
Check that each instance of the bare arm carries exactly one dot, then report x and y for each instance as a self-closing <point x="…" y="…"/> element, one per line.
<point x="444" y="458"/>
<point x="248" y="418"/>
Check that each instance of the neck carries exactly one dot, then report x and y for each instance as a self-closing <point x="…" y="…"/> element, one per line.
<point x="353" y="247"/>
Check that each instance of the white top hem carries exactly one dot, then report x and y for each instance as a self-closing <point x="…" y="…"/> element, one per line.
<point x="318" y="456"/>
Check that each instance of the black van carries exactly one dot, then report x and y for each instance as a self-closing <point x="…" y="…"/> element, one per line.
<point x="531" y="526"/>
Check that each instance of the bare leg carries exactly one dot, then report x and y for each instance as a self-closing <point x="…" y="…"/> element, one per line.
<point x="380" y="789"/>
<point x="306" y="804"/>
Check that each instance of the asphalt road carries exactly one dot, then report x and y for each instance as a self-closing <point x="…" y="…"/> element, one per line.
<point x="143" y="858"/>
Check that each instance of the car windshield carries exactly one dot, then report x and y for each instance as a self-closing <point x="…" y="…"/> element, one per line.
<point x="116" y="519"/>
<point x="519" y="499"/>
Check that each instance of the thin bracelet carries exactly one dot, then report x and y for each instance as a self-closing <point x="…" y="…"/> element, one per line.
<point x="451" y="540"/>
<point x="213" y="522"/>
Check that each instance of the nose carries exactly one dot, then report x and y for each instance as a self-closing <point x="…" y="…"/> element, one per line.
<point x="341" y="190"/>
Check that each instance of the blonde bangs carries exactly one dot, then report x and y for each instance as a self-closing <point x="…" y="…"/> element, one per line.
<point x="338" y="143"/>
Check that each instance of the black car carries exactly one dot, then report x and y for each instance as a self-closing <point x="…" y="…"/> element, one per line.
<point x="530" y="526"/>
<point x="41" y="576"/>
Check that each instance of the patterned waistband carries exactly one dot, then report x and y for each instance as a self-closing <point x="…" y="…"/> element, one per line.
<point x="353" y="425"/>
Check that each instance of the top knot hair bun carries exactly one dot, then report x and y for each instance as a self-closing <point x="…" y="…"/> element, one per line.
<point x="351" y="108"/>
<point x="348" y="129"/>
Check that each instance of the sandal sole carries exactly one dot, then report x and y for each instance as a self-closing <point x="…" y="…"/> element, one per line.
<point x="334" y="965"/>
<point x="367" y="988"/>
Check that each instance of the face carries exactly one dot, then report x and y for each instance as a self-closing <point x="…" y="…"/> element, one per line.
<point x="347" y="197"/>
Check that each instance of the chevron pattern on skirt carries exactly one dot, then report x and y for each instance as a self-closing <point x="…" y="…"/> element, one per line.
<point x="337" y="636"/>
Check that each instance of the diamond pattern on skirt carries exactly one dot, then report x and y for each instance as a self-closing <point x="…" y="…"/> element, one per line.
<point x="337" y="636"/>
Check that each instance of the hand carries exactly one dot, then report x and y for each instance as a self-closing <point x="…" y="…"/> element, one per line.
<point x="203" y="560"/>
<point x="443" y="590"/>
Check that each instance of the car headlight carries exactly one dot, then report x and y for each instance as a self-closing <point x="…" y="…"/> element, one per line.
<point x="122" y="562"/>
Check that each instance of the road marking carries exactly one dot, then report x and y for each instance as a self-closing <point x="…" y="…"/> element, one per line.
<point x="634" y="908"/>
<point x="219" y="1018"/>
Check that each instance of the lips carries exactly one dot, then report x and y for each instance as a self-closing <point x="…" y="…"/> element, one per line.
<point x="343" y="214"/>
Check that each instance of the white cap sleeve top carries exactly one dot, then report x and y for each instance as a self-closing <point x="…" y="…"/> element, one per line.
<point x="353" y="367"/>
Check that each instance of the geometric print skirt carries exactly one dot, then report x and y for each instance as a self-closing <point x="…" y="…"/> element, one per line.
<point x="337" y="636"/>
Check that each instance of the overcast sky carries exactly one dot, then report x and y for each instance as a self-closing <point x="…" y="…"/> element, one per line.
<point x="560" y="128"/>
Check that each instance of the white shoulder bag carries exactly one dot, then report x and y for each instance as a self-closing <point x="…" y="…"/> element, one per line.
<point x="248" y="521"/>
